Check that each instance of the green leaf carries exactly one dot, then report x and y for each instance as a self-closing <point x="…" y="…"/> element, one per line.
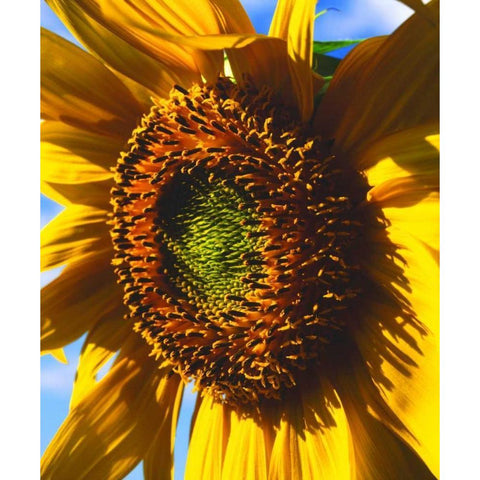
<point x="325" y="47"/>
<point x="324" y="64"/>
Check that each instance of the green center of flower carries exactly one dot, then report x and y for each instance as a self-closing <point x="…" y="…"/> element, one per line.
<point x="205" y="236"/>
<point x="236" y="236"/>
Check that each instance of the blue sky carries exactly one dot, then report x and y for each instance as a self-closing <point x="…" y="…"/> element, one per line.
<point x="354" y="19"/>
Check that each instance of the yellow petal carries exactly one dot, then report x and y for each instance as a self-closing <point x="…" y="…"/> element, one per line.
<point x="115" y="52"/>
<point x="293" y="22"/>
<point x="281" y="19"/>
<point x="410" y="152"/>
<point x="75" y="300"/>
<point x="158" y="463"/>
<point x="249" y="438"/>
<point x="398" y="339"/>
<point x="285" y="460"/>
<point x="73" y="234"/>
<point x="421" y="220"/>
<point x="396" y="90"/>
<point x="325" y="449"/>
<point x="78" y="90"/>
<point x="313" y="440"/>
<point x="103" y="340"/>
<point x="208" y="442"/>
<point x="341" y="90"/>
<point x="71" y="155"/>
<point x="108" y="432"/>
<point x="264" y="62"/>
<point x="378" y="452"/>
<point x="94" y="194"/>
<point x="414" y="397"/>
<point x="403" y="170"/>
<point x="182" y="19"/>
<point x="56" y="353"/>
<point x="75" y="164"/>
<point x="140" y="25"/>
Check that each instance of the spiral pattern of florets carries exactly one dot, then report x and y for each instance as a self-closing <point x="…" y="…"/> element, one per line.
<point x="233" y="233"/>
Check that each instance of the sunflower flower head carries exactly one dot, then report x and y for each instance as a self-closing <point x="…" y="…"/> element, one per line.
<point x="266" y="235"/>
<point x="235" y="232"/>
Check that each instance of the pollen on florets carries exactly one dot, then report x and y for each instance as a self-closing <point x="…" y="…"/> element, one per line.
<point x="233" y="230"/>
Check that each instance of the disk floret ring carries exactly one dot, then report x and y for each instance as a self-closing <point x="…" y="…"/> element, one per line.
<point x="234" y="231"/>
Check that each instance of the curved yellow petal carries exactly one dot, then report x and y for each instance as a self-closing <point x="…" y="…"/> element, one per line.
<point x="93" y="194"/>
<point x="158" y="462"/>
<point x="397" y="89"/>
<point x="249" y="438"/>
<point x="325" y="450"/>
<point x="73" y="234"/>
<point x="78" y="90"/>
<point x="140" y="25"/>
<point x="403" y="170"/>
<point x="401" y="346"/>
<point x="208" y="442"/>
<point x="56" y="353"/>
<point x="379" y="454"/>
<point x="378" y="449"/>
<point x="293" y="22"/>
<point x="75" y="164"/>
<point x="106" y="336"/>
<point x="313" y="440"/>
<point x="75" y="300"/>
<point x="409" y="152"/>
<point x="71" y="155"/>
<point x="414" y="397"/>
<point x="115" y="52"/>
<point x="264" y="62"/>
<point x="108" y="432"/>
<point x="421" y="220"/>
<point x="342" y="88"/>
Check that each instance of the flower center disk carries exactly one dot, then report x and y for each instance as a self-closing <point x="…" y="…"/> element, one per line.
<point x="234" y="232"/>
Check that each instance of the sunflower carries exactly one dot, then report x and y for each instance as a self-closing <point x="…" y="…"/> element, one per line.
<point x="272" y="240"/>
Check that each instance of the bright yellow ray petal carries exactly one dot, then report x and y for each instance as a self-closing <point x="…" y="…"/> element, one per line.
<point x="117" y="53"/>
<point x="378" y="452"/>
<point x="249" y="438"/>
<point x="108" y="432"/>
<point x="56" y="353"/>
<point x="313" y="440"/>
<point x="397" y="89"/>
<point x="75" y="164"/>
<point x="78" y="90"/>
<point x="208" y="442"/>
<point x="410" y="152"/>
<point x="403" y="170"/>
<point x="75" y="300"/>
<point x="293" y="22"/>
<point x="285" y="460"/>
<point x="71" y="155"/>
<point x="281" y="19"/>
<point x="106" y="336"/>
<point x="73" y="234"/>
<point x="421" y="220"/>
<point x="415" y="397"/>
<point x="158" y="462"/>
<point x="140" y="26"/>
<point x="94" y="194"/>
<point x="325" y="449"/>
